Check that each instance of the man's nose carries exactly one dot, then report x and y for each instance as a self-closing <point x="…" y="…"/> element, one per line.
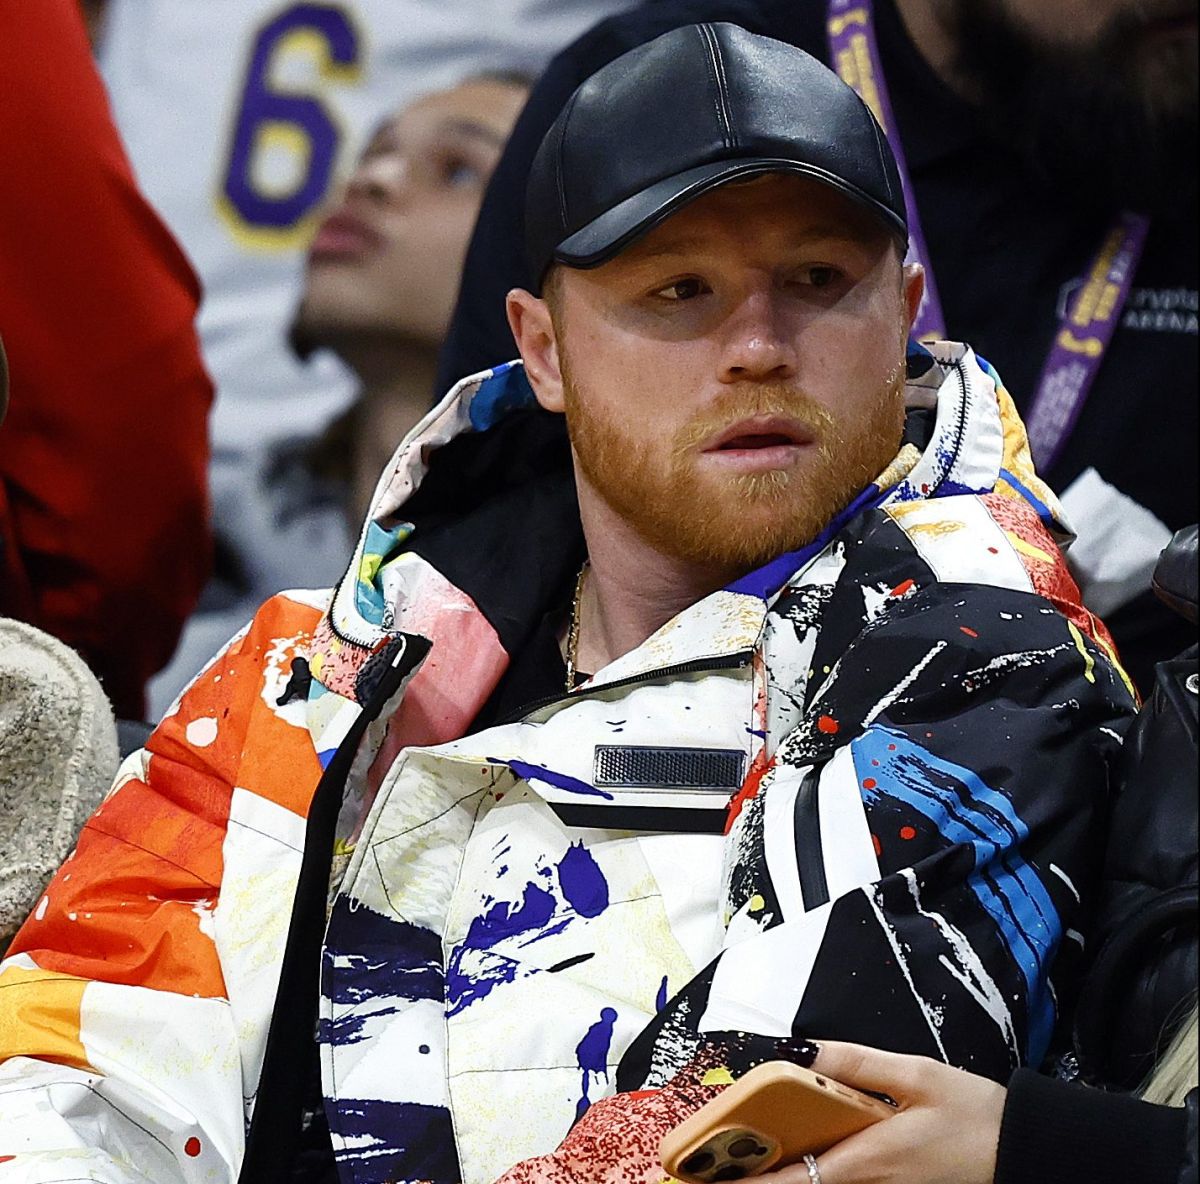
<point x="759" y="342"/>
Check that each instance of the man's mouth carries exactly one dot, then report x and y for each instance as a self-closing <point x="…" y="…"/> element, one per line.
<point x="760" y="443"/>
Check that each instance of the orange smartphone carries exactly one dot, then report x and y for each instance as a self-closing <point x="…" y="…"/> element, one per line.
<point x="773" y="1116"/>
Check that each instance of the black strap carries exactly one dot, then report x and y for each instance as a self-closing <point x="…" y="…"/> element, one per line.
<point x="810" y="852"/>
<point x="274" y="1130"/>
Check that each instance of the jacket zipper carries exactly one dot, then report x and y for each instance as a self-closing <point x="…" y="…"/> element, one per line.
<point x="275" y="1125"/>
<point x="737" y="661"/>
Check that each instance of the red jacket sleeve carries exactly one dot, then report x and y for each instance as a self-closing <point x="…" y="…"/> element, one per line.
<point x="103" y="457"/>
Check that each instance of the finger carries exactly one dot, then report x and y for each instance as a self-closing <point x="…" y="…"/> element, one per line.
<point x="796" y="1173"/>
<point x="899" y="1076"/>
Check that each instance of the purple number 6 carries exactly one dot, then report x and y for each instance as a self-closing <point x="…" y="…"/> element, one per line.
<point x="265" y="109"/>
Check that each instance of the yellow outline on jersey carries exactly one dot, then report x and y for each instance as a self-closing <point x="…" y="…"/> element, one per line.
<point x="309" y="42"/>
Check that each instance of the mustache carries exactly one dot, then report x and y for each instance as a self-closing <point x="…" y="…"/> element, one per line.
<point x="768" y="398"/>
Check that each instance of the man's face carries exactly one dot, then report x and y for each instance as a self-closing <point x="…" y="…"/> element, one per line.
<point x="1099" y="96"/>
<point x="733" y="379"/>
<point x="387" y="258"/>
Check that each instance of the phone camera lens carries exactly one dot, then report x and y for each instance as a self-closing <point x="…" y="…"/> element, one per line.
<point x="747" y="1146"/>
<point x="699" y="1161"/>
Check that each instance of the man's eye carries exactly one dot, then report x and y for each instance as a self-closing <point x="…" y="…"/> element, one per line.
<point x="680" y="290"/>
<point x="818" y="276"/>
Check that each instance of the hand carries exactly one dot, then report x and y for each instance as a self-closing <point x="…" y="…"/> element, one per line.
<point x="945" y="1132"/>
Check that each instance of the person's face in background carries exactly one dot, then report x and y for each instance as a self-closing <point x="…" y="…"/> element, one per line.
<point x="386" y="260"/>
<point x="1098" y="96"/>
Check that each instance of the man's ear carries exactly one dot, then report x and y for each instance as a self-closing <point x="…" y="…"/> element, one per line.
<point x="913" y="282"/>
<point x="533" y="328"/>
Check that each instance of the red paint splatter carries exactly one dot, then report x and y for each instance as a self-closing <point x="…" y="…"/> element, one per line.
<point x="968" y="632"/>
<point x="827" y="724"/>
<point x="192" y="1147"/>
<point x="877" y="845"/>
<point x="7" y="1158"/>
<point x="907" y="832"/>
<point x="891" y="748"/>
<point x="869" y="783"/>
<point x="758" y="770"/>
<point x="993" y="551"/>
<point x="902" y="587"/>
<point x="874" y="761"/>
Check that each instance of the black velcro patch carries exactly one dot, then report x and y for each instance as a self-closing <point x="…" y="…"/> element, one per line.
<point x="632" y="766"/>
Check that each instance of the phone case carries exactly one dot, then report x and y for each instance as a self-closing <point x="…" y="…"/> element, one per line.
<point x="773" y="1116"/>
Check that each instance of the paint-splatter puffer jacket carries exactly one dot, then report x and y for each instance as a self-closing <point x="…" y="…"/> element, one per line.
<point x="855" y="794"/>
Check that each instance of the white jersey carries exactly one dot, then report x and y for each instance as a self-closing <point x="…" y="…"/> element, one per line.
<point x="239" y="115"/>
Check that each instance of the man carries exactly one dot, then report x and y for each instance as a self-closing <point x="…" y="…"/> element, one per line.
<point x="814" y="740"/>
<point x="1026" y="128"/>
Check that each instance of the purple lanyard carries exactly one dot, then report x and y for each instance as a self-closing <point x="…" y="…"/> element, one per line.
<point x="1085" y="328"/>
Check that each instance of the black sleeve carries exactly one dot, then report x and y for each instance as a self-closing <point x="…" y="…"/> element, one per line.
<point x="1144" y="945"/>
<point x="478" y="337"/>
<point x="1053" y="1131"/>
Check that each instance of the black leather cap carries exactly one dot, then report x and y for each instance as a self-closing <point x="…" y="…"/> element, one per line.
<point x="691" y="110"/>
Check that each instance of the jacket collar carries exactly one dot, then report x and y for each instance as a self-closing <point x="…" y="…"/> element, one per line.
<point x="977" y="444"/>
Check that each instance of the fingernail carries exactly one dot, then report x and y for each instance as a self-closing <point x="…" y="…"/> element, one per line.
<point x="800" y="1052"/>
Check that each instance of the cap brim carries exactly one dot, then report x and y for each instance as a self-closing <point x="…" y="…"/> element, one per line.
<point x="615" y="229"/>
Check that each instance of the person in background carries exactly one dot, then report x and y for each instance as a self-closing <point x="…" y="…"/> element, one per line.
<point x="379" y="282"/>
<point x="1050" y="160"/>
<point x="104" y="537"/>
<point x="383" y="270"/>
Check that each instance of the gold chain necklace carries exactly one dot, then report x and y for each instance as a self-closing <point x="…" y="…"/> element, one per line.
<point x="573" y="631"/>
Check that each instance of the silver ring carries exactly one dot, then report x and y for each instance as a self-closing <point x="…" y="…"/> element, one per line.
<point x="814" y="1176"/>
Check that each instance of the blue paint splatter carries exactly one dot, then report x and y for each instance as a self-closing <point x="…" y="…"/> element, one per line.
<point x="379" y="1142"/>
<point x="529" y="772"/>
<point x="592" y="1054"/>
<point x="501" y="921"/>
<point x="504" y="920"/>
<point x="476" y="967"/>
<point x="661" y="1000"/>
<point x="968" y="811"/>
<point x="371" y="958"/>
<point x="583" y="884"/>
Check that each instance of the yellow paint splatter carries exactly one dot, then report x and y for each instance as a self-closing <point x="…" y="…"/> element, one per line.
<point x="937" y="530"/>
<point x="1089" y="663"/>
<point x="720" y="1076"/>
<point x="1019" y="544"/>
<point x="756" y="903"/>
<point x="369" y="567"/>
